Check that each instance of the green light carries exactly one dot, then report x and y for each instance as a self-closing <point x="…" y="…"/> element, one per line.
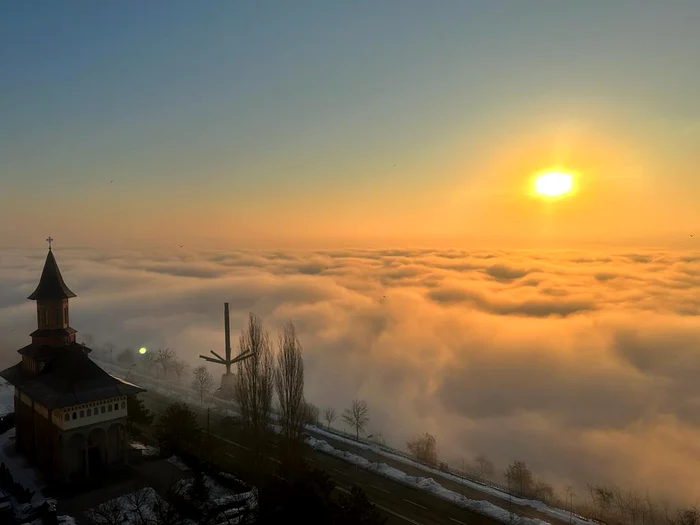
<point x="142" y="350"/>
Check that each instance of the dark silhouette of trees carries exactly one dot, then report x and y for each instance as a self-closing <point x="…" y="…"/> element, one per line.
<point x="137" y="414"/>
<point x="357" y="416"/>
<point x="165" y="357"/>
<point x="424" y="449"/>
<point x="255" y="384"/>
<point x="177" y="429"/>
<point x="520" y="478"/>
<point x="329" y="416"/>
<point x="180" y="368"/>
<point x="202" y="382"/>
<point x="289" y="382"/>
<point x="311" y="413"/>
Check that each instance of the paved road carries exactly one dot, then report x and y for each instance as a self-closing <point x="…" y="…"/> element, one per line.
<point x="401" y="504"/>
<point x="469" y="492"/>
<point x="456" y="487"/>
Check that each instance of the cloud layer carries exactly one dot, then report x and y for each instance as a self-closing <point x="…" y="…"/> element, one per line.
<point x="585" y="365"/>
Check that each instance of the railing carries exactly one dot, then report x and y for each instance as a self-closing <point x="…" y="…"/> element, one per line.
<point x="402" y="453"/>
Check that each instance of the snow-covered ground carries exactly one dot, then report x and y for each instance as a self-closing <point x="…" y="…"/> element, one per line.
<point x="146" y="450"/>
<point x="141" y="506"/>
<point x="174" y="460"/>
<point x="135" y="508"/>
<point x="218" y="494"/>
<point x="485" y="508"/>
<point x="7" y="397"/>
<point x="21" y="472"/>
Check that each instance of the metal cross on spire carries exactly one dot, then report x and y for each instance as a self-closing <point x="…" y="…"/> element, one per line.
<point x="49" y="239"/>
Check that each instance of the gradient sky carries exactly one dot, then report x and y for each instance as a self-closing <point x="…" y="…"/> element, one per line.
<point x="394" y="121"/>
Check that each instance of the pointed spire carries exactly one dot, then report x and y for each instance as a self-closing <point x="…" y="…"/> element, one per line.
<point x="51" y="286"/>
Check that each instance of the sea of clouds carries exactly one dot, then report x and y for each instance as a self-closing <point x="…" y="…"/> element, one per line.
<point x="585" y="365"/>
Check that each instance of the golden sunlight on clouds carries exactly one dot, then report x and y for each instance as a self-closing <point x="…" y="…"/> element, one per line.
<point x="605" y="174"/>
<point x="576" y="362"/>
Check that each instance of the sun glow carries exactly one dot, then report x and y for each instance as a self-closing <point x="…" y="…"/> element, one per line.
<point x="553" y="184"/>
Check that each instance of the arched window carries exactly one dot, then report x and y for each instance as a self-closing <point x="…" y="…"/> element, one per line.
<point x="75" y="415"/>
<point x="82" y="413"/>
<point x="123" y="405"/>
<point x="89" y="413"/>
<point x="66" y="417"/>
<point x="102" y="409"/>
<point x="109" y="408"/>
<point x="116" y="406"/>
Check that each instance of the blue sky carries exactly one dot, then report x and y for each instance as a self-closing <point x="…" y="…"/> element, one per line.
<point x="297" y="103"/>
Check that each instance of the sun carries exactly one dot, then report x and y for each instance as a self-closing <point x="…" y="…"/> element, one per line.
<point x="554" y="184"/>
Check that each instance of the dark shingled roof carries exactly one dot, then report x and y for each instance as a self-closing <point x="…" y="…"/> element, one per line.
<point x="51" y="286"/>
<point x="69" y="378"/>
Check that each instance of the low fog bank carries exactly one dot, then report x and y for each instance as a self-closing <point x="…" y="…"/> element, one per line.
<point x="583" y="365"/>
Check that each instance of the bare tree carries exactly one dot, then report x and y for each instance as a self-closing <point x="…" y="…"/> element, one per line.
<point x="180" y="368"/>
<point x="519" y="478"/>
<point x="111" y="512"/>
<point x="165" y="358"/>
<point x="423" y="448"/>
<point x="688" y="516"/>
<point x="255" y="383"/>
<point x="543" y="491"/>
<point x="109" y="350"/>
<point x="202" y="382"/>
<point x="289" y="380"/>
<point x="652" y="510"/>
<point x="484" y="467"/>
<point x="602" y="498"/>
<point x="329" y="416"/>
<point x="357" y="416"/>
<point x="138" y="506"/>
<point x="311" y="414"/>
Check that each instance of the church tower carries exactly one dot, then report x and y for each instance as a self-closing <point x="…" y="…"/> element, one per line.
<point x="51" y="296"/>
<point x="70" y="414"/>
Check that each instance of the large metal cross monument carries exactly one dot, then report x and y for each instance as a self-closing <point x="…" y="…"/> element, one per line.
<point x="228" y="378"/>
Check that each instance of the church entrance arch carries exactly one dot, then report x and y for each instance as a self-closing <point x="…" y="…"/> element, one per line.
<point x="75" y="457"/>
<point x="97" y="450"/>
<point x="114" y="442"/>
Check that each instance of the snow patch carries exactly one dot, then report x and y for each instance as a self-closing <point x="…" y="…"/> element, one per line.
<point x="146" y="450"/>
<point x="218" y="494"/>
<point x="178" y="463"/>
<point x="22" y="473"/>
<point x="485" y="508"/>
<point x="482" y="487"/>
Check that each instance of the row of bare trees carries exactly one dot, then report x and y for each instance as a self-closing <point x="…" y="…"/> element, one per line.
<point x="611" y="503"/>
<point x="263" y="375"/>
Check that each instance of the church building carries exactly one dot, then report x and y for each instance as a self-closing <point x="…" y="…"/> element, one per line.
<point x="70" y="415"/>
